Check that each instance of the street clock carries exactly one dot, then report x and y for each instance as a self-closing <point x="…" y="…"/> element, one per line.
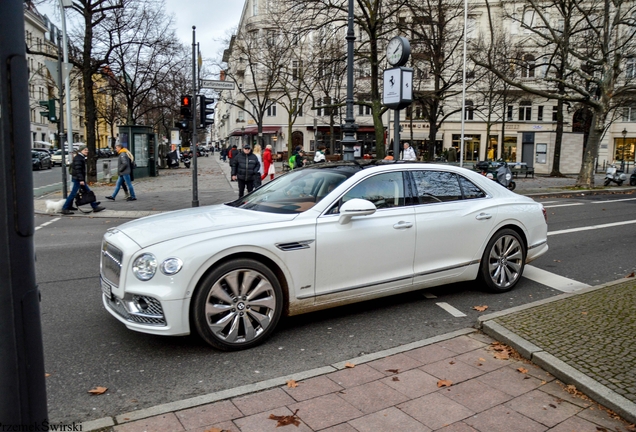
<point x="398" y="51"/>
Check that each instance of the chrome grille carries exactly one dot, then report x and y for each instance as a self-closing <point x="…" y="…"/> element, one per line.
<point x="111" y="263"/>
<point x="138" y="309"/>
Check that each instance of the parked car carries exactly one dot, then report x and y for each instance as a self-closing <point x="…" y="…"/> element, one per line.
<point x="56" y="158"/>
<point x="41" y="160"/>
<point x="318" y="237"/>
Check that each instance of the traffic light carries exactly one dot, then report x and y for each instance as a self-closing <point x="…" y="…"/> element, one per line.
<point x="205" y="109"/>
<point x="186" y="106"/>
<point x="182" y="123"/>
<point x="49" y="105"/>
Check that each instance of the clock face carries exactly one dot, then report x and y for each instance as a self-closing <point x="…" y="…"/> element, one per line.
<point x="398" y="51"/>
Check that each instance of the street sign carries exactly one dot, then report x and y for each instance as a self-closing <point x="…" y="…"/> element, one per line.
<point x="217" y="85"/>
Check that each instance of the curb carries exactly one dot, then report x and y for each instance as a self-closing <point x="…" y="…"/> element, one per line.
<point x="97" y="424"/>
<point x="564" y="372"/>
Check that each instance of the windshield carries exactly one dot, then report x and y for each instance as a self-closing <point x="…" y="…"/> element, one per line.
<point x="295" y="192"/>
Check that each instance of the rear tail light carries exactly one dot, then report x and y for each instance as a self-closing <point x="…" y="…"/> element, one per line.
<point x="545" y="214"/>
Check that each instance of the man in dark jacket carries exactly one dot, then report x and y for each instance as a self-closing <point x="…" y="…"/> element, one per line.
<point x="124" y="169"/>
<point x="231" y="154"/>
<point x="78" y="176"/>
<point x="245" y="169"/>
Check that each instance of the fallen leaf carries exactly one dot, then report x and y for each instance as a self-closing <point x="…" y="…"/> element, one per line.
<point x="98" y="390"/>
<point x="393" y="370"/>
<point x="583" y="313"/>
<point x="523" y="370"/>
<point x="503" y="355"/>
<point x="452" y="362"/>
<point x="286" y="420"/>
<point x="292" y="384"/>
<point x="46" y="375"/>
<point x="497" y="346"/>
<point x="480" y="308"/>
<point x="349" y="365"/>
<point x="552" y="405"/>
<point x="444" y="383"/>
<point x="396" y="379"/>
<point x="214" y="430"/>
<point x="630" y="275"/>
<point x="482" y="359"/>
<point x="557" y="260"/>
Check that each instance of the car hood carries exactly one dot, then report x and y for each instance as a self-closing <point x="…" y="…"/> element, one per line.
<point x="178" y="224"/>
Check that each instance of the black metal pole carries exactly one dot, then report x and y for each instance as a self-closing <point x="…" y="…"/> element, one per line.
<point x="396" y="135"/>
<point x="22" y="386"/>
<point x="60" y="126"/>
<point x="349" y="128"/>
<point x="193" y="142"/>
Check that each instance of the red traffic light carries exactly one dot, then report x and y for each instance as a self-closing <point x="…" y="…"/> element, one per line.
<point x="185" y="101"/>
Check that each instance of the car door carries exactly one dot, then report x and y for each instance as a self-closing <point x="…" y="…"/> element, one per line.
<point x="371" y="253"/>
<point x="451" y="225"/>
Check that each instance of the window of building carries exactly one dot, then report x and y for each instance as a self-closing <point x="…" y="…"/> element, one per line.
<point x="510" y="111"/>
<point x="540" y="113"/>
<point x="254" y="7"/>
<point x="525" y="111"/>
<point x="364" y="110"/>
<point x="271" y="37"/>
<point x="241" y="116"/>
<point x="298" y="107"/>
<point x="629" y="114"/>
<point x="471" y="146"/>
<point x="630" y="68"/>
<point x="295" y="70"/>
<point x="555" y="113"/>
<point x="271" y="109"/>
<point x="509" y="150"/>
<point x="470" y="111"/>
<point x="624" y="149"/>
<point x="327" y="109"/>
<point x="527" y="66"/>
<point x="491" y="151"/>
<point x="318" y="107"/>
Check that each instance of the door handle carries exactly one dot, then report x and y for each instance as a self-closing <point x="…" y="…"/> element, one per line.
<point x="403" y="225"/>
<point x="482" y="216"/>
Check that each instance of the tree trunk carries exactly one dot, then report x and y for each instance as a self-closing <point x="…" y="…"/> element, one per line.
<point x="90" y="109"/>
<point x="590" y="154"/>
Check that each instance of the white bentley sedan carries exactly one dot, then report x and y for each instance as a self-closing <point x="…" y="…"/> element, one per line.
<point x="318" y="237"/>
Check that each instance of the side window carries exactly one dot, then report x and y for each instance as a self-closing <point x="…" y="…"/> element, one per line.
<point x="436" y="186"/>
<point x="470" y="190"/>
<point x="383" y="190"/>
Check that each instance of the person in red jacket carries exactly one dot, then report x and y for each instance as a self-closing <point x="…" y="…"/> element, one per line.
<point x="268" y="163"/>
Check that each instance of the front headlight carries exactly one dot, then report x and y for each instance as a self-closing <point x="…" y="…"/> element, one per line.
<point x="145" y="266"/>
<point x="171" y="266"/>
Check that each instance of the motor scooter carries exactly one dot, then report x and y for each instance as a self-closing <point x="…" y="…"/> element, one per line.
<point x="613" y="174"/>
<point x="186" y="161"/>
<point x="632" y="178"/>
<point x="501" y="174"/>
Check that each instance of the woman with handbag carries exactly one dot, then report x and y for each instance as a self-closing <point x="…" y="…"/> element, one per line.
<point x="78" y="173"/>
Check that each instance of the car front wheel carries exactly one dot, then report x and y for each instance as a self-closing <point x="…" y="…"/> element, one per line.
<point x="503" y="261"/>
<point x="237" y="305"/>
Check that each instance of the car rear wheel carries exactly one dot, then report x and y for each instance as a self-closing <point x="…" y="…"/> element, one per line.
<point x="237" y="305"/>
<point x="503" y="261"/>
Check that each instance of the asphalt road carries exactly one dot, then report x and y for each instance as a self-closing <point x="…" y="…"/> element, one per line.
<point x="85" y="347"/>
<point x="49" y="180"/>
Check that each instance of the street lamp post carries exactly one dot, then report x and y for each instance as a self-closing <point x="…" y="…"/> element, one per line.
<point x="349" y="127"/>
<point x="242" y="136"/>
<point x="623" y="154"/>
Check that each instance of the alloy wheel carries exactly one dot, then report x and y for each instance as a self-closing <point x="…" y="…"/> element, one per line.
<point x="505" y="262"/>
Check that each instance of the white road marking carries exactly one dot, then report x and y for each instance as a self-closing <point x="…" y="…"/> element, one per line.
<point x="552" y="280"/>
<point x="591" y="227"/>
<point x="47" y="223"/>
<point x="548" y="202"/>
<point x="612" y="201"/>
<point x="451" y="310"/>
<point x="429" y="295"/>
<point x="563" y="205"/>
<point x="48" y="185"/>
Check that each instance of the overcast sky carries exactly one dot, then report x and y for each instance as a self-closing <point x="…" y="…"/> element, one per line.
<point x="214" y="19"/>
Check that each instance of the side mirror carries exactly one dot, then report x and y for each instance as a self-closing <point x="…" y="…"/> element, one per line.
<point x="355" y="207"/>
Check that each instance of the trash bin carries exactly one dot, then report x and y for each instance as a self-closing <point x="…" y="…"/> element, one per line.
<point x="153" y="167"/>
<point x="106" y="171"/>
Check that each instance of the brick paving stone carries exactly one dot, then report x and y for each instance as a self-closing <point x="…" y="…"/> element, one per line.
<point x="227" y="426"/>
<point x="208" y="414"/>
<point x="373" y="396"/>
<point x="435" y="410"/>
<point x="533" y="371"/>
<point x="262" y="401"/>
<point x="162" y="423"/>
<point x="311" y="388"/>
<point x="413" y="383"/>
<point x="543" y="408"/>
<point x="554" y="388"/>
<point x="483" y="359"/>
<point x="575" y="424"/>
<point x="352" y="377"/>
<point x="592" y="332"/>
<point x="602" y="418"/>
<point x="401" y="362"/>
<point x="502" y="419"/>
<point x="430" y="353"/>
<point x="510" y="381"/>
<point x="453" y="370"/>
<point x="462" y="344"/>
<point x="458" y="427"/>
<point x="262" y="423"/>
<point x="390" y="419"/>
<point x="475" y="395"/>
<point x="342" y="427"/>
<point x="325" y="411"/>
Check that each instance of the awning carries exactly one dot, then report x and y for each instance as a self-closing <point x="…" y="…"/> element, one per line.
<point x="419" y="135"/>
<point x="253" y="130"/>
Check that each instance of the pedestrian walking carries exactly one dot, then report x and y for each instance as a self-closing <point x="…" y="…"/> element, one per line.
<point x="78" y="177"/>
<point x="257" y="153"/>
<point x="224" y="154"/>
<point x="297" y="159"/>
<point x="268" y="163"/>
<point x="245" y="169"/>
<point x="125" y="162"/>
<point x="408" y="154"/>
<point x="231" y="154"/>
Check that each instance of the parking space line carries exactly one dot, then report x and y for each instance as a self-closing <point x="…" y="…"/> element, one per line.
<point x="552" y="280"/>
<point x="564" y="205"/>
<point x="591" y="227"/>
<point x="612" y="201"/>
<point x="451" y="310"/>
<point x="47" y="223"/>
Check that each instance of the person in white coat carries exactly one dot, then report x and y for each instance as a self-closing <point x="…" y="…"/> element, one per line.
<point x="408" y="153"/>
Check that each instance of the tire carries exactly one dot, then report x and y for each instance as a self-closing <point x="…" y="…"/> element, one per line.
<point x="512" y="185"/>
<point x="40" y="166"/>
<point x="503" y="261"/>
<point x="607" y="182"/>
<point x="632" y="181"/>
<point x="230" y="320"/>
<point x="619" y="183"/>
